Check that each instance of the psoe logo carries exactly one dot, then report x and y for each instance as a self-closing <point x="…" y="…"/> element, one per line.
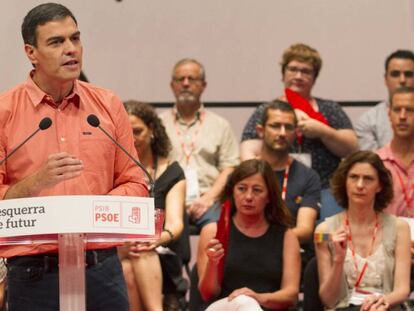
<point x="135" y="216"/>
<point x="107" y="214"/>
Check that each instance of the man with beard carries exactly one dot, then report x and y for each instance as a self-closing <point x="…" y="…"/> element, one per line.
<point x="300" y="185"/>
<point x="203" y="142"/>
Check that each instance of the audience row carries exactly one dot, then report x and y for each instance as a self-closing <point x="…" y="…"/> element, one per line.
<point x="303" y="140"/>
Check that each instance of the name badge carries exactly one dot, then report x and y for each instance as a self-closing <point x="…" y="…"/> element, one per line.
<point x="193" y="189"/>
<point x="304" y="158"/>
<point x="358" y="296"/>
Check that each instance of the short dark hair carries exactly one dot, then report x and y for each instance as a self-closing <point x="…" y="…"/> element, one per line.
<point x="276" y="211"/>
<point x="160" y="144"/>
<point x="277" y="105"/>
<point x="401" y="90"/>
<point x="338" y="180"/>
<point x="40" y="15"/>
<point x="401" y="54"/>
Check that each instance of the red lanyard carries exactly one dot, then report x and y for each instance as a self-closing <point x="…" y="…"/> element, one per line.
<point x="188" y="148"/>
<point x="407" y="198"/>
<point x="285" y="180"/>
<point x="352" y="247"/>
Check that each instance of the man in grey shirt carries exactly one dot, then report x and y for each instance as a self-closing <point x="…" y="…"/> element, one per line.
<point x="373" y="128"/>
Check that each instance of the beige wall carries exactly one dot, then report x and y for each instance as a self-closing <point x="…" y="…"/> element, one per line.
<point x="130" y="46"/>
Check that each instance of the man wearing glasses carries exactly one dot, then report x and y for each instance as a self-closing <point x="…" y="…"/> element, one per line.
<point x="300" y="185"/>
<point x="373" y="128"/>
<point x="203" y="142"/>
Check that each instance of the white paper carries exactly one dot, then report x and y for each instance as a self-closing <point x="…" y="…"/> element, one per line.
<point x="304" y="158"/>
<point x="192" y="190"/>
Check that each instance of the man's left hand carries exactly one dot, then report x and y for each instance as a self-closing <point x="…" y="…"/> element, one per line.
<point x="200" y="206"/>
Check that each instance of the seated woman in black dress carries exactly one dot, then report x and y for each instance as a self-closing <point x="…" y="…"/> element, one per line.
<point x="250" y="260"/>
<point x="140" y="261"/>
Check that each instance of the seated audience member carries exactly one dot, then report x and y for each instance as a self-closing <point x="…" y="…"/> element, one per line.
<point x="300" y="184"/>
<point x="301" y="187"/>
<point x="250" y="259"/>
<point x="358" y="268"/>
<point x="325" y="130"/>
<point x="398" y="155"/>
<point x="140" y="261"/>
<point x="373" y="127"/>
<point x="202" y="141"/>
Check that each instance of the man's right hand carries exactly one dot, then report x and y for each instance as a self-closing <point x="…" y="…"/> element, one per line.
<point x="58" y="167"/>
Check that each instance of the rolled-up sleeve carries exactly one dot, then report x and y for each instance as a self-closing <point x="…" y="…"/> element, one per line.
<point x="129" y="179"/>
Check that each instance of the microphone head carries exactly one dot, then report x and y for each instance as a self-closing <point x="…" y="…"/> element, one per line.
<point x="45" y="123"/>
<point x="93" y="120"/>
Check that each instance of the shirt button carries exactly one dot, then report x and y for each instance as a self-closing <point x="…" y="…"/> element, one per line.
<point x="62" y="139"/>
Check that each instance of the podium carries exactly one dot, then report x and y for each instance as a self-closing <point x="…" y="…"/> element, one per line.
<point x="70" y="222"/>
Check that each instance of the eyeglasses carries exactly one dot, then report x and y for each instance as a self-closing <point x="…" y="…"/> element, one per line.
<point x="304" y="71"/>
<point x="189" y="78"/>
<point x="398" y="73"/>
<point x="278" y="126"/>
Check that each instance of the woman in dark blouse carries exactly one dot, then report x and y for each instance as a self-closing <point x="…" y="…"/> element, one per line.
<point x="140" y="261"/>
<point x="250" y="259"/>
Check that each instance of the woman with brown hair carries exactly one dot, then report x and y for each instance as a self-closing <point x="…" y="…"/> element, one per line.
<point x="242" y="260"/>
<point x="357" y="267"/>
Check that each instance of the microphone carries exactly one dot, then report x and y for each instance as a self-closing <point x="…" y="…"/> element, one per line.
<point x="44" y="124"/>
<point x="94" y="122"/>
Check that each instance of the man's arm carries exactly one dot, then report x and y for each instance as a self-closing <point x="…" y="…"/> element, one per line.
<point x="305" y="224"/>
<point x="250" y="149"/>
<point x="365" y="132"/>
<point x="202" y="204"/>
<point x="228" y="158"/>
<point x="251" y="144"/>
<point x="309" y="206"/>
<point x="128" y="178"/>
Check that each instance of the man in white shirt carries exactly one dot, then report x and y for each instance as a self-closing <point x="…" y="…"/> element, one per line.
<point x="373" y="128"/>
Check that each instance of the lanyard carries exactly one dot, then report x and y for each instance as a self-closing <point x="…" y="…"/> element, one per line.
<point x="407" y="198"/>
<point x="188" y="148"/>
<point x="154" y="167"/>
<point x="285" y="180"/>
<point x="352" y="247"/>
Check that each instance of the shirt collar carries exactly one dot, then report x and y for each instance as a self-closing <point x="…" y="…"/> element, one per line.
<point x="386" y="154"/>
<point x="198" y="115"/>
<point x="38" y="96"/>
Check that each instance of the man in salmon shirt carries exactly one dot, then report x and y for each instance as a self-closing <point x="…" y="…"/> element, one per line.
<point x="68" y="158"/>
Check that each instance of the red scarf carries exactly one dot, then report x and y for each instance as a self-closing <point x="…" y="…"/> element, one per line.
<point x="223" y="231"/>
<point x="298" y="102"/>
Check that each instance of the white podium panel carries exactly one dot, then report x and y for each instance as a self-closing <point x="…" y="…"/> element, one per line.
<point x="70" y="222"/>
<point x="101" y="218"/>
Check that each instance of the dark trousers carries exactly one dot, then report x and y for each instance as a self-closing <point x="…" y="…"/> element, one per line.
<point x="33" y="282"/>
